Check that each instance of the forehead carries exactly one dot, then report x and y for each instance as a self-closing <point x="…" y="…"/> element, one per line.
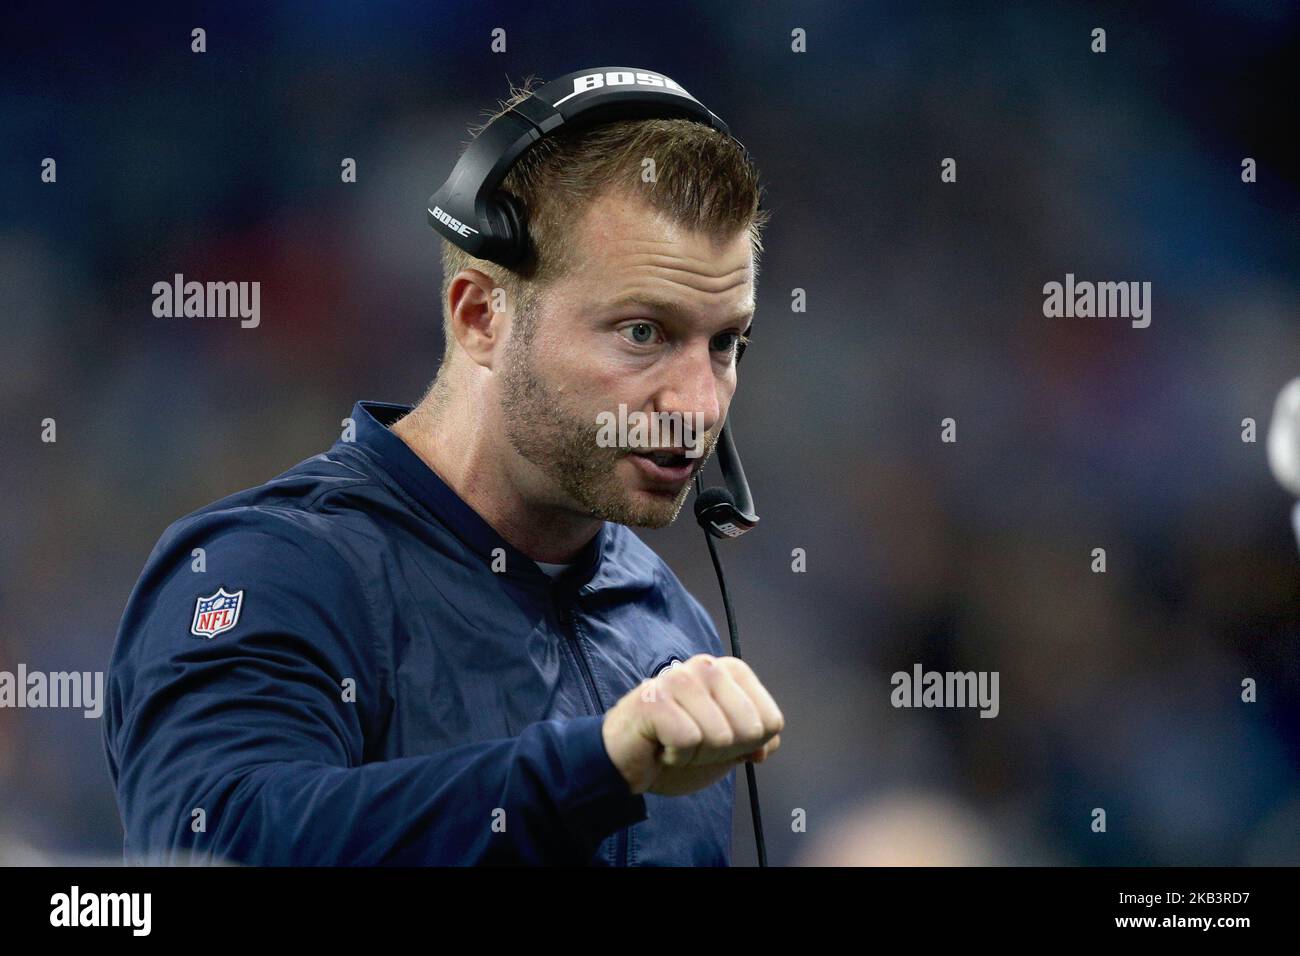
<point x="628" y="249"/>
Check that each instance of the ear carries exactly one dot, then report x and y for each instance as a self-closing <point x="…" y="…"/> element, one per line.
<point x="478" y="319"/>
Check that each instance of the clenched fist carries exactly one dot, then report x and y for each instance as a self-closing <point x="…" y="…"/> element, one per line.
<point x="685" y="729"/>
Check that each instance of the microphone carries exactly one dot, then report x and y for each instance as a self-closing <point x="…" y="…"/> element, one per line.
<point x="1284" y="444"/>
<point x="728" y="512"/>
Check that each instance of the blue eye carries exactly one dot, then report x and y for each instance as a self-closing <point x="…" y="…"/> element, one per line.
<point x="642" y="333"/>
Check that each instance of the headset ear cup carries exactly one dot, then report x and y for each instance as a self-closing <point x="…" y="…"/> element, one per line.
<point x="511" y="219"/>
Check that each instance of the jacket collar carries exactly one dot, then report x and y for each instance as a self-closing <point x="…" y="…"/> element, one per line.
<point x="423" y="484"/>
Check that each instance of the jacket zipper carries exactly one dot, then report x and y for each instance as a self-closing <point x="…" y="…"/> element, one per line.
<point x="571" y="633"/>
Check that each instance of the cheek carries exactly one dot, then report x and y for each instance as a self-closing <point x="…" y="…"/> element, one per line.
<point x="727" y="389"/>
<point x="593" y="375"/>
<point x="597" y="385"/>
<point x="561" y="369"/>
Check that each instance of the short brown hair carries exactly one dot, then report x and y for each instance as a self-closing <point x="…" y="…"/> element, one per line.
<point x="704" y="181"/>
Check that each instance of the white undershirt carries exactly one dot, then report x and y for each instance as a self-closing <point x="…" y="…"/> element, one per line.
<point x="554" y="570"/>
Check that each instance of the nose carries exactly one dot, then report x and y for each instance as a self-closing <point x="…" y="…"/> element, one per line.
<point x="691" y="386"/>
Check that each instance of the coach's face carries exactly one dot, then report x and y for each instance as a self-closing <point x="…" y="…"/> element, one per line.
<point x="649" y="318"/>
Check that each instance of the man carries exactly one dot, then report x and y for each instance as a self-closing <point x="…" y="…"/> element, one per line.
<point x="439" y="642"/>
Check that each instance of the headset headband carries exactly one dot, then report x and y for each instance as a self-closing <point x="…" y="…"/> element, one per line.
<point x="469" y="211"/>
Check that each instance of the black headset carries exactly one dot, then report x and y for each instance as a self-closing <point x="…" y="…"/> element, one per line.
<point x="472" y="212"/>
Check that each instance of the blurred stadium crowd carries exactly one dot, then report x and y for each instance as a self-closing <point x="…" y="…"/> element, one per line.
<point x="924" y="301"/>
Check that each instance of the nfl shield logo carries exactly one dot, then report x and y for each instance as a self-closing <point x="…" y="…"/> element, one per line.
<point x="216" y="613"/>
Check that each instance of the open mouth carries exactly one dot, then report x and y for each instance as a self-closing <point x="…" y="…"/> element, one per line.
<point x="665" y="459"/>
<point x="664" y="466"/>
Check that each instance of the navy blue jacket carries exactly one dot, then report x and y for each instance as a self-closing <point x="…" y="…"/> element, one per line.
<point x="327" y="669"/>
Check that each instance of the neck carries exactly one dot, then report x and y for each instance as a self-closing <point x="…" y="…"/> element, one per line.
<point x="455" y="435"/>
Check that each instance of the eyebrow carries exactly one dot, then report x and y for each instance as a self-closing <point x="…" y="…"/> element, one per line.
<point x="654" y="304"/>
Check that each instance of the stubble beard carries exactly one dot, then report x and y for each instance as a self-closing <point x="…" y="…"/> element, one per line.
<point x="561" y="441"/>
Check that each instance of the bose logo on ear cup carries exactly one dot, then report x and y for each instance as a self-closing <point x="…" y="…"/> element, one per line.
<point x="453" y="224"/>
<point x="595" y="81"/>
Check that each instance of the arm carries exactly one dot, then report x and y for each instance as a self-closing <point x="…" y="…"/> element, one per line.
<point x="253" y="728"/>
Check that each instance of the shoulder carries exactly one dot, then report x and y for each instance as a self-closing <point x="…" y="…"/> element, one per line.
<point x="272" y="548"/>
<point x="679" y="602"/>
<point x="290" y="518"/>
